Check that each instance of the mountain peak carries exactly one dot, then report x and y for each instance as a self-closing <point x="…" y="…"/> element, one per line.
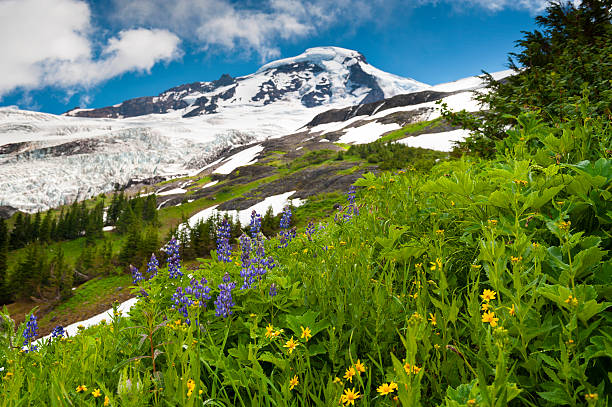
<point x="320" y="76"/>
<point x="318" y="56"/>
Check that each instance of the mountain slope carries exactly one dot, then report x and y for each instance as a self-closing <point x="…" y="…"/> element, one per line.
<point x="319" y="76"/>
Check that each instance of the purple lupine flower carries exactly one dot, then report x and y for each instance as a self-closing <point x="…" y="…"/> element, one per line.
<point x="224" y="301"/>
<point x="224" y="249"/>
<point x="30" y="333"/>
<point x="152" y="266"/>
<point x="255" y="224"/>
<point x="136" y="275"/>
<point x="183" y="298"/>
<point x="286" y="234"/>
<point x="310" y="230"/>
<point x="351" y="209"/>
<point x="246" y="271"/>
<point x="272" y="291"/>
<point x="58" y="332"/>
<point x="174" y="258"/>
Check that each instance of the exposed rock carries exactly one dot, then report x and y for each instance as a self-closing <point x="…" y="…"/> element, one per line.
<point x="7" y="211"/>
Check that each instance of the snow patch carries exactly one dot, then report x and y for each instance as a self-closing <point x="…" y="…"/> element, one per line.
<point x="277" y="202"/>
<point x="210" y="184"/>
<point x="107" y="315"/>
<point x="172" y="192"/>
<point x="436" y="141"/>
<point x="367" y="133"/>
<point x="244" y="157"/>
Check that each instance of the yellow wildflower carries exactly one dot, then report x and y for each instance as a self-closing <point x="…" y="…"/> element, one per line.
<point x="386" y="388"/>
<point x="290" y="345"/>
<point x="492" y="222"/>
<point x="348" y="375"/>
<point x="490" y="318"/>
<point x="96" y="393"/>
<point x="591" y="397"/>
<point x="516" y="259"/>
<point x="106" y="401"/>
<point x="564" y="225"/>
<point x="571" y="300"/>
<point x="440" y="232"/>
<point x="488" y="295"/>
<point x="337" y="380"/>
<point x="81" y="388"/>
<point x="349" y="396"/>
<point x="471" y="402"/>
<point x="360" y="367"/>
<point x="512" y="310"/>
<point x="269" y="331"/>
<point x="306" y="333"/>
<point x="485" y="306"/>
<point x="432" y="319"/>
<point x="293" y="382"/>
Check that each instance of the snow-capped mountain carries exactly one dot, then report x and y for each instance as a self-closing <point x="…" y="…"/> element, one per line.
<point x="324" y="94"/>
<point x="319" y="76"/>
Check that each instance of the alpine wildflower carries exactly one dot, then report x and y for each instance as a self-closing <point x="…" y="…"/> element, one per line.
<point x="432" y="319"/>
<point x="350" y="372"/>
<point x="136" y="275"/>
<point x="293" y="382"/>
<point x="386" y="388"/>
<point x="360" y="367"/>
<point x="106" y="401"/>
<point x="96" y="393"/>
<point x="272" y="291"/>
<point x="58" y="332"/>
<point x="286" y="234"/>
<point x="488" y="295"/>
<point x="269" y="331"/>
<point x="224" y="249"/>
<point x="81" y="389"/>
<point x="489" y="317"/>
<point x="571" y="300"/>
<point x="174" y="258"/>
<point x="349" y="396"/>
<point x="30" y="333"/>
<point x="152" y="266"/>
<point x="224" y="301"/>
<point x="512" y="310"/>
<point x="290" y="345"/>
<point x="306" y="333"/>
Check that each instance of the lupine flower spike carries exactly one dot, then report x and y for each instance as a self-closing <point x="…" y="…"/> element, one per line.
<point x="224" y="302"/>
<point x="174" y="258"/>
<point x="30" y="333"/>
<point x="224" y="249"/>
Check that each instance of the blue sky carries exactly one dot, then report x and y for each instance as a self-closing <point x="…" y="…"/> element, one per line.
<point x="66" y="53"/>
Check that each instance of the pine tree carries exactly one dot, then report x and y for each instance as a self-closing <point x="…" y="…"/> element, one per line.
<point x="17" y="239"/>
<point x="126" y="219"/>
<point x="36" y="228"/>
<point x="149" y="213"/>
<point x="4" y="241"/>
<point x="46" y="228"/>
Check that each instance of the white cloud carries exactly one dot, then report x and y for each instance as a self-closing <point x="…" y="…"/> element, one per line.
<point x="221" y="23"/>
<point x="50" y="43"/>
<point x="233" y="27"/>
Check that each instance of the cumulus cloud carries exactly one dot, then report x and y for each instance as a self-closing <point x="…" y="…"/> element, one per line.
<point x="50" y="43"/>
<point x="236" y="26"/>
<point x="222" y="23"/>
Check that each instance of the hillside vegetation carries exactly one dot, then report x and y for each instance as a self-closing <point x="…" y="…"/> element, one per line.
<point x="483" y="281"/>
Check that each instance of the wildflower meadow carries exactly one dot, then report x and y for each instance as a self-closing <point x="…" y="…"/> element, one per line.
<point x="482" y="282"/>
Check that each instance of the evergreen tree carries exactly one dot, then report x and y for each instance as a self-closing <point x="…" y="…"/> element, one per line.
<point x="36" y="227"/>
<point x="150" y="243"/>
<point x="149" y="213"/>
<point x="126" y="219"/>
<point x="4" y="241"/>
<point x="131" y="250"/>
<point x="17" y="239"/>
<point x="46" y="228"/>
<point x="559" y="65"/>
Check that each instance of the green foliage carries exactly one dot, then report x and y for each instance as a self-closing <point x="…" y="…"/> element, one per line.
<point x="556" y="71"/>
<point x="390" y="156"/>
<point x="402" y="289"/>
<point x="311" y="158"/>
